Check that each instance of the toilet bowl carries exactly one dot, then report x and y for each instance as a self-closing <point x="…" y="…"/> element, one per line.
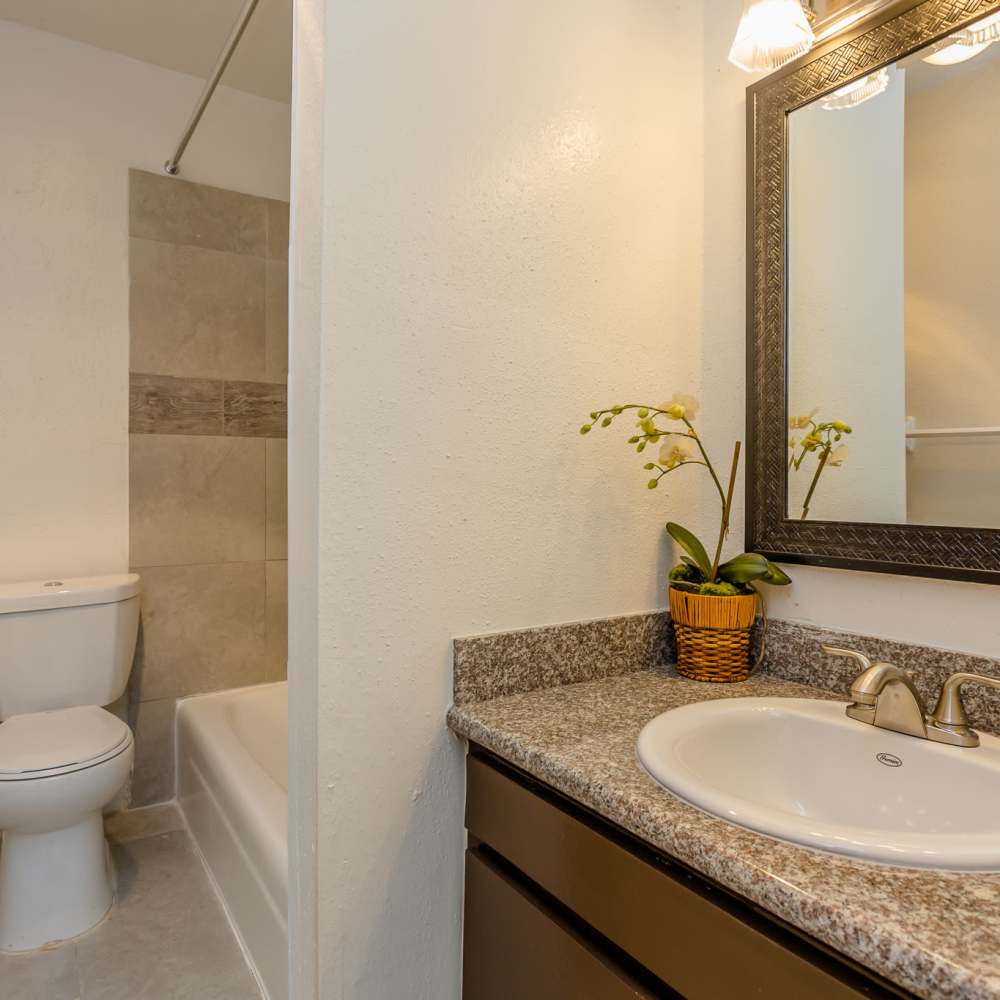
<point x="65" y="649"/>
<point x="57" y="772"/>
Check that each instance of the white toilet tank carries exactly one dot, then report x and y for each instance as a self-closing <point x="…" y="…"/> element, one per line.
<point x="66" y="642"/>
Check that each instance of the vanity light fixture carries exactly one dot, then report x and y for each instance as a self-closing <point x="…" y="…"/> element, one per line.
<point x="770" y="33"/>
<point x="857" y="91"/>
<point x="966" y="44"/>
<point x="845" y="15"/>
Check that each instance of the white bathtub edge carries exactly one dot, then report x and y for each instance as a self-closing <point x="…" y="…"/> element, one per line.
<point x="229" y="806"/>
<point x="233" y="926"/>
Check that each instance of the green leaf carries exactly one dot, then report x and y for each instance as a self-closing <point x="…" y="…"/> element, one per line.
<point x="692" y="546"/>
<point x="696" y="569"/>
<point x="776" y="576"/>
<point x="752" y="566"/>
<point x="743" y="568"/>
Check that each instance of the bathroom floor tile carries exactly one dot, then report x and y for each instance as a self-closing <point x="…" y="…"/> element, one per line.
<point x="167" y="937"/>
<point x="40" y="975"/>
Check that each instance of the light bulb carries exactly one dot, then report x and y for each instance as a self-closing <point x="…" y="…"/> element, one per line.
<point x="770" y="33"/>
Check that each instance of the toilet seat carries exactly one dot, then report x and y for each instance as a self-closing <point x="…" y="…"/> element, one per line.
<point x="43" y="744"/>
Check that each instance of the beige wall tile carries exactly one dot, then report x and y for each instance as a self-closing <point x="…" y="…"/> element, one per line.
<point x="163" y="404"/>
<point x="153" y="776"/>
<point x="277" y="229"/>
<point x="203" y="629"/>
<point x="255" y="409"/>
<point x="175" y="211"/>
<point x="276" y="348"/>
<point x="194" y="312"/>
<point x="195" y="499"/>
<point x="277" y="619"/>
<point x="276" y="538"/>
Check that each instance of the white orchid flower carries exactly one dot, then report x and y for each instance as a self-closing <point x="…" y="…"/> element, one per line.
<point x="674" y="453"/>
<point x="802" y="421"/>
<point x="681" y="406"/>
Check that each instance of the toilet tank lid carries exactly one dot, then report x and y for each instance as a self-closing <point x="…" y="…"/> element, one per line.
<point x="68" y="592"/>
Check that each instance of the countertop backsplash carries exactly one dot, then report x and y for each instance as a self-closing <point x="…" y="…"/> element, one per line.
<point x="514" y="662"/>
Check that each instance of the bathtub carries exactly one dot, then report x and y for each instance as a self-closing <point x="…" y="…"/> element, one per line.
<point x="232" y="787"/>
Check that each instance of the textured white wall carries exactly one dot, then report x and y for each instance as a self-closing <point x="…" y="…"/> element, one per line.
<point x="961" y="616"/>
<point x="306" y="358"/>
<point x="504" y="215"/>
<point x="511" y="235"/>
<point x="75" y="118"/>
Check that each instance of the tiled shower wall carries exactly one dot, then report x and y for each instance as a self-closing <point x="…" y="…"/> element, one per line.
<point x="207" y="465"/>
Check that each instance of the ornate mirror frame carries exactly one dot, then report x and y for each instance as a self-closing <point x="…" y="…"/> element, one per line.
<point x="894" y="31"/>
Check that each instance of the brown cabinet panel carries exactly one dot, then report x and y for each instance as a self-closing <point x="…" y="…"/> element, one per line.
<point x="518" y="949"/>
<point x="685" y="931"/>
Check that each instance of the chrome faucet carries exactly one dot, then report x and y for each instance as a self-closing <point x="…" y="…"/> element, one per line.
<point x="884" y="696"/>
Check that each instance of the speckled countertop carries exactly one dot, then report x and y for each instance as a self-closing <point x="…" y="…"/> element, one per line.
<point x="934" y="933"/>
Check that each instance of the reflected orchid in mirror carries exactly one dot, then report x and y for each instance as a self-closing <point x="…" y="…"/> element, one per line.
<point x="822" y="440"/>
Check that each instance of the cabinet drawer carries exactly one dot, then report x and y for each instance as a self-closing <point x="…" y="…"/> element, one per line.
<point x="691" y="935"/>
<point x="516" y="947"/>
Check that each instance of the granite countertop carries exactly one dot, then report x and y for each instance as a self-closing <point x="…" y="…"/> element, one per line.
<point x="934" y="933"/>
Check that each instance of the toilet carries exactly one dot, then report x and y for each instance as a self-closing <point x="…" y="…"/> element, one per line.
<point x="66" y="649"/>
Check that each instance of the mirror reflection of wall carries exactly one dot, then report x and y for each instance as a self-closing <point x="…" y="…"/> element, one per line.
<point x="845" y="305"/>
<point x="893" y="230"/>
<point x="952" y="219"/>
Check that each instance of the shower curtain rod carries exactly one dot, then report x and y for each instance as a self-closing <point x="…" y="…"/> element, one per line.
<point x="173" y="165"/>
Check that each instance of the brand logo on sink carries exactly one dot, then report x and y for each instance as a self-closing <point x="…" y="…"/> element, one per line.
<point x="889" y="759"/>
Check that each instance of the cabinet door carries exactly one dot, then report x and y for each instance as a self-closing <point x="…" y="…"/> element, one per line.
<point x="684" y="932"/>
<point x="518" y="949"/>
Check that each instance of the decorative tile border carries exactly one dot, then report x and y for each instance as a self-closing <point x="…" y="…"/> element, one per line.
<point x="490" y="666"/>
<point x="506" y="663"/>
<point x="255" y="409"/>
<point x="165" y="404"/>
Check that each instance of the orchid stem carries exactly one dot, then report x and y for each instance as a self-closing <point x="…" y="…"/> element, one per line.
<point x="815" y="481"/>
<point x="727" y="506"/>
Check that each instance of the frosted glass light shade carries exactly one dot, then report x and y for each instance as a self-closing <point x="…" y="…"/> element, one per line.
<point x="770" y="33"/>
<point x="857" y="91"/>
<point x="966" y="44"/>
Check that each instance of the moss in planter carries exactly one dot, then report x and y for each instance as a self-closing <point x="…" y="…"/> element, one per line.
<point x="720" y="589"/>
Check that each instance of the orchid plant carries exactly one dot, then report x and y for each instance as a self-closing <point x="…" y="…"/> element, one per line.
<point x="822" y="439"/>
<point x="671" y="426"/>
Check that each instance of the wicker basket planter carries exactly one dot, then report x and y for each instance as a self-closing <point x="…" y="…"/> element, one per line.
<point x="713" y="635"/>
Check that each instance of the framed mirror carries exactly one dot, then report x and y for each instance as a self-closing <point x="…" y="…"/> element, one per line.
<point x="874" y="297"/>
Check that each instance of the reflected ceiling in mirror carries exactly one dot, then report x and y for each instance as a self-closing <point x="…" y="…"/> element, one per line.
<point x="893" y="340"/>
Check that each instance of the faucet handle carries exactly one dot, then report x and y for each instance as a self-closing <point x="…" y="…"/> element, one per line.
<point x="851" y="654"/>
<point x="948" y="721"/>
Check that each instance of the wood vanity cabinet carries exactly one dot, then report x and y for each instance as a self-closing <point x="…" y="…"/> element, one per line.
<point x="562" y="905"/>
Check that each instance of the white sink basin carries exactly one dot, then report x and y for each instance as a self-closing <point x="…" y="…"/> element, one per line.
<point x="800" y="770"/>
